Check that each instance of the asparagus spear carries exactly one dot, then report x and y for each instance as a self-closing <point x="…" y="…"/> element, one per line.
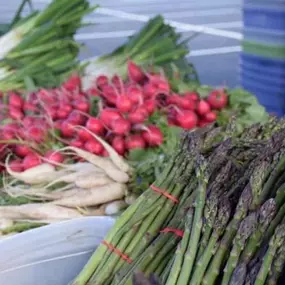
<point x="216" y="263"/>
<point x="247" y="227"/>
<point x="277" y="267"/>
<point x="192" y="247"/>
<point x="219" y="227"/>
<point x="239" y="275"/>
<point x="266" y="214"/>
<point x="275" y="243"/>
<point x="181" y="249"/>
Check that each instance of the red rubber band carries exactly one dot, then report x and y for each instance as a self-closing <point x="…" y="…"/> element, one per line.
<point x="179" y="233"/>
<point x="118" y="252"/>
<point x="164" y="193"/>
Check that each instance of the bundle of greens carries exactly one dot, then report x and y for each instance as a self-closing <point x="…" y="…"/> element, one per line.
<point x="40" y="49"/>
<point x="215" y="216"/>
<point x="157" y="45"/>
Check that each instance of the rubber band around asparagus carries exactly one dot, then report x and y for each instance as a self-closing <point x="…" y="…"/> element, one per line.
<point x="177" y="232"/>
<point x="164" y="193"/>
<point x="118" y="252"/>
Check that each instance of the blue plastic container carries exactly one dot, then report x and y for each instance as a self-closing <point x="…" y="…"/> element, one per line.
<point x="262" y="62"/>
<point x="265" y="16"/>
<point x="264" y="36"/>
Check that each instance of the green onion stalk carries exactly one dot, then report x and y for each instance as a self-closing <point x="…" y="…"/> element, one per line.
<point x="42" y="45"/>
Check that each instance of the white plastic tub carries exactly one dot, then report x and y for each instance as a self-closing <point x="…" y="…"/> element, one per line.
<point x="51" y="255"/>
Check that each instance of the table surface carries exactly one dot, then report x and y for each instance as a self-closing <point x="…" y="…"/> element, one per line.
<point x="214" y="51"/>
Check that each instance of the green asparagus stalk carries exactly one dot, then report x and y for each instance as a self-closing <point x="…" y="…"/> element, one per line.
<point x="219" y="227"/>
<point x="247" y="227"/>
<point x="275" y="243"/>
<point x="240" y="213"/>
<point x="192" y="247"/>
<point x="239" y="275"/>
<point x="277" y="267"/>
<point x="181" y="249"/>
<point x="266" y="214"/>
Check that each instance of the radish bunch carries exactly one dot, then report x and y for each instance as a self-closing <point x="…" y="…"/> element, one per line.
<point x="34" y="125"/>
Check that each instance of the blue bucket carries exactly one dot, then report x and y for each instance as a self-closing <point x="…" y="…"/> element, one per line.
<point x="264" y="65"/>
<point x="264" y="36"/>
<point x="270" y="16"/>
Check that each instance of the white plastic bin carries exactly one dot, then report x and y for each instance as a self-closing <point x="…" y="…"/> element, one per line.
<point x="51" y="255"/>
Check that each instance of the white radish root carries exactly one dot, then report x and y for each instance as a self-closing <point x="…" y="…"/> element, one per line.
<point x="114" y="207"/>
<point x="92" y="197"/>
<point x="114" y="156"/>
<point x="46" y="211"/>
<point x="39" y="174"/>
<point x="72" y="177"/>
<point x="5" y="223"/>
<point x="88" y="181"/>
<point x="108" y="166"/>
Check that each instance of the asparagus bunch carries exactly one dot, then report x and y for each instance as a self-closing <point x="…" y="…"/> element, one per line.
<point x="230" y="204"/>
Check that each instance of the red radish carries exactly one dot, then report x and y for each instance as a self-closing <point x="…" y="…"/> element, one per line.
<point x="138" y="116"/>
<point x="118" y="144"/>
<point x="108" y="116"/>
<point x="29" y="107"/>
<point x="52" y="111"/>
<point x="105" y="153"/>
<point x="186" y="103"/>
<point x="76" y="117"/>
<point x="210" y="117"/>
<point x="203" y="123"/>
<point x="153" y="135"/>
<point x="67" y="128"/>
<point x="218" y="99"/>
<point x="62" y="114"/>
<point x="16" y="100"/>
<point x="135" y="94"/>
<point x="31" y="160"/>
<point x="28" y="121"/>
<point x="203" y="107"/>
<point x="101" y="81"/>
<point x="121" y="126"/>
<point x="36" y="133"/>
<point x="95" y="125"/>
<point x="192" y="95"/>
<point x="7" y="135"/>
<point x="109" y="93"/>
<point x="16" y="165"/>
<point x="171" y="122"/>
<point x="81" y="105"/>
<point x="76" y="143"/>
<point x="173" y="99"/>
<point x="149" y="90"/>
<point x="57" y="124"/>
<point x="135" y="141"/>
<point x="163" y="86"/>
<point x="66" y="107"/>
<point x="123" y="103"/>
<point x="150" y="106"/>
<point x="54" y="157"/>
<point x="186" y="119"/>
<point x="16" y="113"/>
<point x="84" y="135"/>
<point x="22" y="150"/>
<point x="93" y="92"/>
<point x="94" y="146"/>
<point x="135" y="73"/>
<point x="73" y="83"/>
<point x="117" y="81"/>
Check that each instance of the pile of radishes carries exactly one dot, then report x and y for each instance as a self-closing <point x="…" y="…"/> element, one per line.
<point x="30" y="123"/>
